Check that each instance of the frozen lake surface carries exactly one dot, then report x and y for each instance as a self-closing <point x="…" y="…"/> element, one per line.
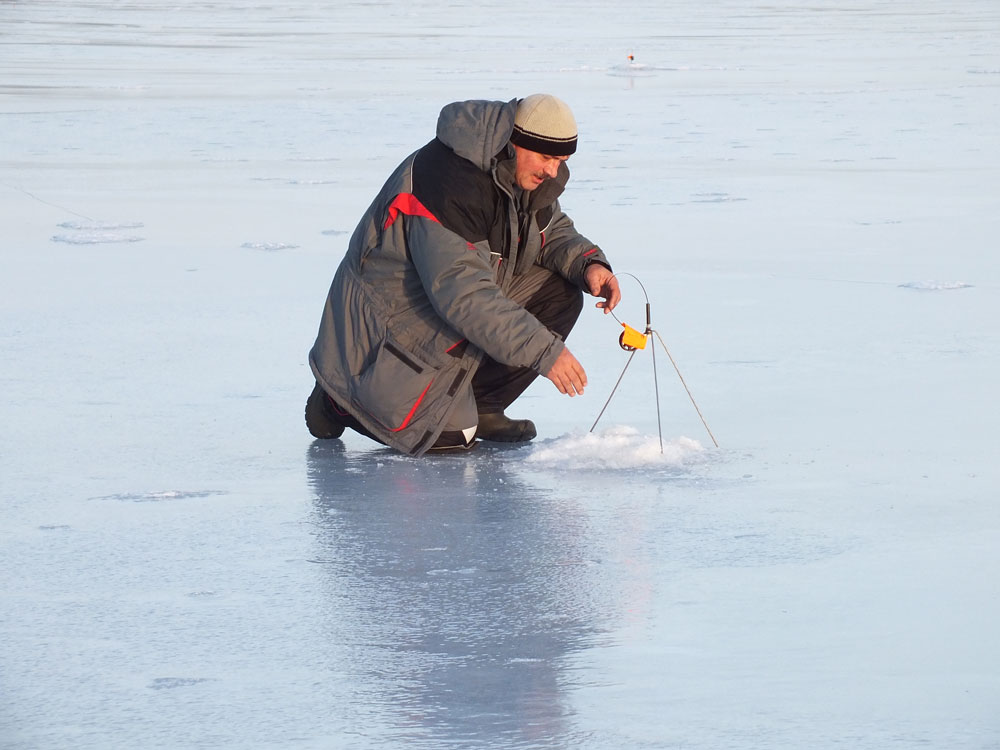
<point x="809" y="194"/>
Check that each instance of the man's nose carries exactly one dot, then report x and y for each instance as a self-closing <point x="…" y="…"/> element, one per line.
<point x="552" y="168"/>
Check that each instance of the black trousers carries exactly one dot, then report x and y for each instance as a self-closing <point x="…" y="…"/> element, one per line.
<point x="557" y="304"/>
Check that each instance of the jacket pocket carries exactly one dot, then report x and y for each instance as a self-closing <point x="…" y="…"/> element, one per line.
<point x="392" y="388"/>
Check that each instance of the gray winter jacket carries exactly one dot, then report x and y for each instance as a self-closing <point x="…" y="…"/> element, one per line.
<point x="420" y="294"/>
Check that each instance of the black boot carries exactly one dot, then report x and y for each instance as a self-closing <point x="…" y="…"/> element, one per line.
<point x="497" y="426"/>
<point x="321" y="418"/>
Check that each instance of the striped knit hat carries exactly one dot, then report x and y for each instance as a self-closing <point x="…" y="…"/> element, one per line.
<point x="545" y="125"/>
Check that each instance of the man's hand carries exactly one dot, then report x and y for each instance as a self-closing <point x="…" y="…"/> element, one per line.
<point x="567" y="374"/>
<point x="602" y="283"/>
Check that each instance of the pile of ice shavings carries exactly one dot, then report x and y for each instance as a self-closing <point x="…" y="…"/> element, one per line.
<point x="617" y="447"/>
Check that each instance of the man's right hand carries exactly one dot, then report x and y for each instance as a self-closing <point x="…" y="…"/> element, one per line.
<point x="567" y="374"/>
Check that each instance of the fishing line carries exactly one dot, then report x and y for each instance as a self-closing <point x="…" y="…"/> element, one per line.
<point x="631" y="340"/>
<point x="45" y="202"/>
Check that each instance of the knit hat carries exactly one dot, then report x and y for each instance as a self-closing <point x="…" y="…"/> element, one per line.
<point x="545" y="125"/>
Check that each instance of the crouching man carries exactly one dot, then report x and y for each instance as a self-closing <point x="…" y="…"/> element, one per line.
<point x="460" y="285"/>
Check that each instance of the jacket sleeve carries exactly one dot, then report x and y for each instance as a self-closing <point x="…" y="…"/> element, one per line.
<point x="459" y="282"/>
<point x="567" y="252"/>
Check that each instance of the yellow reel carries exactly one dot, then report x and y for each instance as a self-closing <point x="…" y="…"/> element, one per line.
<point x="631" y="339"/>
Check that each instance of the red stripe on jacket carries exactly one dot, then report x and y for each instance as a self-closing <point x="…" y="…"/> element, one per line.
<point x="407" y="203"/>
<point x="413" y="411"/>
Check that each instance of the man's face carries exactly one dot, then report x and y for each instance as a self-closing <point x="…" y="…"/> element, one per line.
<point x="533" y="168"/>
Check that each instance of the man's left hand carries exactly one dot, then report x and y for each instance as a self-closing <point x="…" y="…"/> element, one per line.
<point x="602" y="283"/>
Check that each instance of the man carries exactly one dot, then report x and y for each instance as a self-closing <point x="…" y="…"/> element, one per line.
<point x="459" y="286"/>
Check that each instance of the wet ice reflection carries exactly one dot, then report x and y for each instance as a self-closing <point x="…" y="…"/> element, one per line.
<point x="458" y="597"/>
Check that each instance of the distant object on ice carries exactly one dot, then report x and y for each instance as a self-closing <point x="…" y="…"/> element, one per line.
<point x="632" y="68"/>
<point x="615" y="448"/>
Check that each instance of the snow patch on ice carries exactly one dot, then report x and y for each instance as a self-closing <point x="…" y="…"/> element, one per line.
<point x="311" y="182"/>
<point x="95" y="238"/>
<point x="270" y="247"/>
<point x="633" y="69"/>
<point x="935" y="286"/>
<point x="715" y="198"/>
<point x="618" y="447"/>
<point x="155" y="497"/>
<point x="295" y="181"/>
<point x="100" y="226"/>
<point x="97" y="232"/>
<point x="168" y="683"/>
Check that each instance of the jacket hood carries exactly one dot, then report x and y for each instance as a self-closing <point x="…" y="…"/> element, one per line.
<point x="477" y="130"/>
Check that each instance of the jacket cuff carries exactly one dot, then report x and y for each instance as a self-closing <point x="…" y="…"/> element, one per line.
<point x="549" y="357"/>
<point x="597" y="257"/>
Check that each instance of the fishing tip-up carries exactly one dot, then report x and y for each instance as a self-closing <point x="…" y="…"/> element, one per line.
<point x="632" y="340"/>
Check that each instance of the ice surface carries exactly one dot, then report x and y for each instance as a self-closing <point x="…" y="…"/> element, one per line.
<point x="808" y="192"/>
